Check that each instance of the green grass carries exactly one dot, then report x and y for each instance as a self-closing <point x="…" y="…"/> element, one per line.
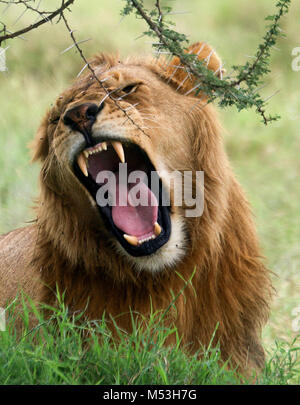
<point x="265" y="159"/>
<point x="67" y="349"/>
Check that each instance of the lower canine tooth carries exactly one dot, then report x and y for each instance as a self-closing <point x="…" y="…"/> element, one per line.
<point x="132" y="240"/>
<point x="157" y="229"/>
<point x="118" y="147"/>
<point x="81" y="160"/>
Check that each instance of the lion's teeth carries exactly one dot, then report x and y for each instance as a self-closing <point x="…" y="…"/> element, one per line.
<point x="157" y="229"/>
<point x="81" y="160"/>
<point x="118" y="147"/>
<point x="133" y="240"/>
<point x="104" y="145"/>
<point x="141" y="241"/>
<point x="95" y="149"/>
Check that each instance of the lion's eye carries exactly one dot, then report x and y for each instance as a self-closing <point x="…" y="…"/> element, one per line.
<point x="129" y="89"/>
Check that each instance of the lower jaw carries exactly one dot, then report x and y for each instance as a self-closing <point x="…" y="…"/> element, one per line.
<point x="146" y="248"/>
<point x="168" y="258"/>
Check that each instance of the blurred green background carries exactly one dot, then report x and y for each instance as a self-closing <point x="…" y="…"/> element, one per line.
<point x="266" y="159"/>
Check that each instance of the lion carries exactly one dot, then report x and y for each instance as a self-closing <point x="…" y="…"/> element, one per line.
<point x="124" y="259"/>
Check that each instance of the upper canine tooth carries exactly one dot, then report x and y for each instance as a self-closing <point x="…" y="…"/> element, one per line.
<point x="118" y="147"/>
<point x="104" y="145"/>
<point x="81" y="160"/>
<point x="157" y="229"/>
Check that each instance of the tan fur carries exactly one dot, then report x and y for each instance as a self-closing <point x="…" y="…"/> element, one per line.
<point x="70" y="246"/>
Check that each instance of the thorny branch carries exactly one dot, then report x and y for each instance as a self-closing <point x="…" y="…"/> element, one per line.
<point x="42" y="14"/>
<point x="242" y="91"/>
<point x="159" y="32"/>
<point x="229" y="91"/>
<point x="160" y="14"/>
<point x="3" y="29"/>
<point x="43" y="20"/>
<point x="87" y="65"/>
<point x="9" y="2"/>
<point x="47" y="16"/>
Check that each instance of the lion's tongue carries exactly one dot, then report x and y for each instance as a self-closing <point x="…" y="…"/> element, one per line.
<point x="135" y="220"/>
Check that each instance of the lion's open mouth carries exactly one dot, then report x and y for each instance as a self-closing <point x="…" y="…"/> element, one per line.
<point x="129" y="194"/>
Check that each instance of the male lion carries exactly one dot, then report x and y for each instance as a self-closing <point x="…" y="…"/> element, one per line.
<point x="118" y="258"/>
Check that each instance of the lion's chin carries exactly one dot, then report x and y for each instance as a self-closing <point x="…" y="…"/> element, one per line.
<point x="129" y="193"/>
<point x="167" y="257"/>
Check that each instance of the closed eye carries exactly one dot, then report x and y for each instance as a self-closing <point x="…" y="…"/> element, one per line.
<point x="130" y="88"/>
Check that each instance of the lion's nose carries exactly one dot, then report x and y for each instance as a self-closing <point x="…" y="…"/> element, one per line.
<point x="82" y="117"/>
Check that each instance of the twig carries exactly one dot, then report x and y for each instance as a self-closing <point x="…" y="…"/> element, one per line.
<point x="158" y="31"/>
<point x="9" y="2"/>
<point x="20" y="16"/>
<point x="108" y="94"/>
<point x="72" y="46"/>
<point x="19" y="36"/>
<point x="250" y="74"/>
<point x="38" y="24"/>
<point x="268" y="40"/>
<point x="160" y="14"/>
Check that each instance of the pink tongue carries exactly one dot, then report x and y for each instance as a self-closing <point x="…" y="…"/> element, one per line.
<point x="135" y="220"/>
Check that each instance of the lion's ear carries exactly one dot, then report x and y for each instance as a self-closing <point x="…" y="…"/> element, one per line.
<point x="40" y="144"/>
<point x="181" y="78"/>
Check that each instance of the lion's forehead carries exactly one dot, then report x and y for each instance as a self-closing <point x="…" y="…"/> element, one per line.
<point x="100" y="79"/>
